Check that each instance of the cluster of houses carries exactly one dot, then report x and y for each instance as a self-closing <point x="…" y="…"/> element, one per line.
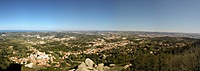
<point x="35" y="58"/>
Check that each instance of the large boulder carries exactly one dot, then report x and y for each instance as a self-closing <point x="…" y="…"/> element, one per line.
<point x="82" y="65"/>
<point x="89" y="63"/>
<point x="82" y="69"/>
<point x="100" y="67"/>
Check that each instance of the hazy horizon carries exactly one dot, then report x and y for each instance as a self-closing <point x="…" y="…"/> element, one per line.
<point x="115" y="15"/>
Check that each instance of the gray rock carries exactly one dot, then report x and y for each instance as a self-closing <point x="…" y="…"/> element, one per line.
<point x="111" y="65"/>
<point x="106" y="68"/>
<point x="90" y="68"/>
<point x="82" y="65"/>
<point x="125" y="67"/>
<point x="72" y="70"/>
<point x="82" y="69"/>
<point x="89" y="63"/>
<point x="95" y="70"/>
<point x="100" y="67"/>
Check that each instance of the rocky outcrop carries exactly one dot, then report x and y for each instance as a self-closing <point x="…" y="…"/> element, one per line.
<point x="82" y="65"/>
<point x="89" y="65"/>
<point x="82" y="69"/>
<point x="100" y="67"/>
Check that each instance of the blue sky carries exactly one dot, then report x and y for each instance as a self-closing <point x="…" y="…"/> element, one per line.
<point x="125" y="15"/>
